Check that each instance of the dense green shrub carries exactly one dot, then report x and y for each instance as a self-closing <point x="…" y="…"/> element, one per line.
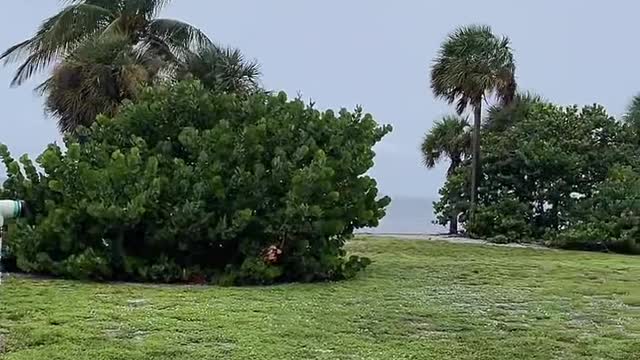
<point x="610" y="220"/>
<point x="186" y="185"/>
<point x="507" y="220"/>
<point x="543" y="177"/>
<point x="8" y="261"/>
<point x="549" y="160"/>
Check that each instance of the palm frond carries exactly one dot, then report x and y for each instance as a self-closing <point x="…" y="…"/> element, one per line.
<point x="178" y="35"/>
<point x="148" y="8"/>
<point x="112" y="5"/>
<point x="16" y="52"/>
<point x="57" y="36"/>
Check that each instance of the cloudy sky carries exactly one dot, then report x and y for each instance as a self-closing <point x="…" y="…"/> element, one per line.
<point x="377" y="53"/>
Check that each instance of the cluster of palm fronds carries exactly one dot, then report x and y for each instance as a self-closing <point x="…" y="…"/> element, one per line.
<point x="104" y="51"/>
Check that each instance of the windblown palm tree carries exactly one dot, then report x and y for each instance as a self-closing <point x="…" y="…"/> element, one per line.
<point x="104" y="51"/>
<point x="95" y="79"/>
<point x="82" y="21"/>
<point x="471" y="65"/>
<point x="221" y="69"/>
<point x="502" y="116"/>
<point x="99" y="75"/>
<point x="450" y="138"/>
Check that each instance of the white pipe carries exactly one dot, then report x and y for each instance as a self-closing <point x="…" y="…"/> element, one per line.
<point x="9" y="209"/>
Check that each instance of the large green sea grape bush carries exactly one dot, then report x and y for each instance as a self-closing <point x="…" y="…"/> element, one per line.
<point x="547" y="162"/>
<point x="610" y="220"/>
<point x="188" y="185"/>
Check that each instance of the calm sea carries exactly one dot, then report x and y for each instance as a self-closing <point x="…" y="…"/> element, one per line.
<point x="408" y="215"/>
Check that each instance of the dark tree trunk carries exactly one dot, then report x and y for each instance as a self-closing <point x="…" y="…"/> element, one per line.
<point x="555" y="221"/>
<point x="456" y="160"/>
<point x="453" y="220"/>
<point x="475" y="169"/>
<point x="453" y="225"/>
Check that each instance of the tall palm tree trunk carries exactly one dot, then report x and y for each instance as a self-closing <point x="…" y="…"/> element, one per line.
<point x="453" y="218"/>
<point x="475" y="169"/>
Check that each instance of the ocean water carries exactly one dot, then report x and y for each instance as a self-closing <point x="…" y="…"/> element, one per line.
<point x="408" y="215"/>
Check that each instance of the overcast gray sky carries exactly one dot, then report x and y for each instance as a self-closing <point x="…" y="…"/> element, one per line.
<point x="377" y="53"/>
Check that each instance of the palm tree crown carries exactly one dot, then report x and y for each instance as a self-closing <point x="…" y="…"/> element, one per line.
<point x="448" y="137"/>
<point x="105" y="51"/>
<point x="221" y="69"/>
<point x="95" y="79"/>
<point x="473" y="63"/>
<point x="85" y="20"/>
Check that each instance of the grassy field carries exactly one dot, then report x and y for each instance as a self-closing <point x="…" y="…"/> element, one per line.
<point x="419" y="300"/>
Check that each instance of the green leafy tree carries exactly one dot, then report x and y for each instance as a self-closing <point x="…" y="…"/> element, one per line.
<point x="450" y="138"/>
<point x="548" y="162"/>
<point x="631" y="120"/>
<point x="83" y="21"/>
<point x="633" y="111"/>
<point x="187" y="184"/>
<point x="473" y="63"/>
<point x="608" y="221"/>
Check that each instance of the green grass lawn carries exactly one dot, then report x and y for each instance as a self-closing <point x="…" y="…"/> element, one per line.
<point x="419" y="300"/>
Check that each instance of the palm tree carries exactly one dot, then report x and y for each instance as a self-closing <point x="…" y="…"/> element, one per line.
<point x="99" y="75"/>
<point x="473" y="64"/>
<point x="221" y="69"/>
<point x="82" y="21"/>
<point x="502" y="116"/>
<point x="450" y="138"/>
<point x="95" y="79"/>
<point x="106" y="50"/>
